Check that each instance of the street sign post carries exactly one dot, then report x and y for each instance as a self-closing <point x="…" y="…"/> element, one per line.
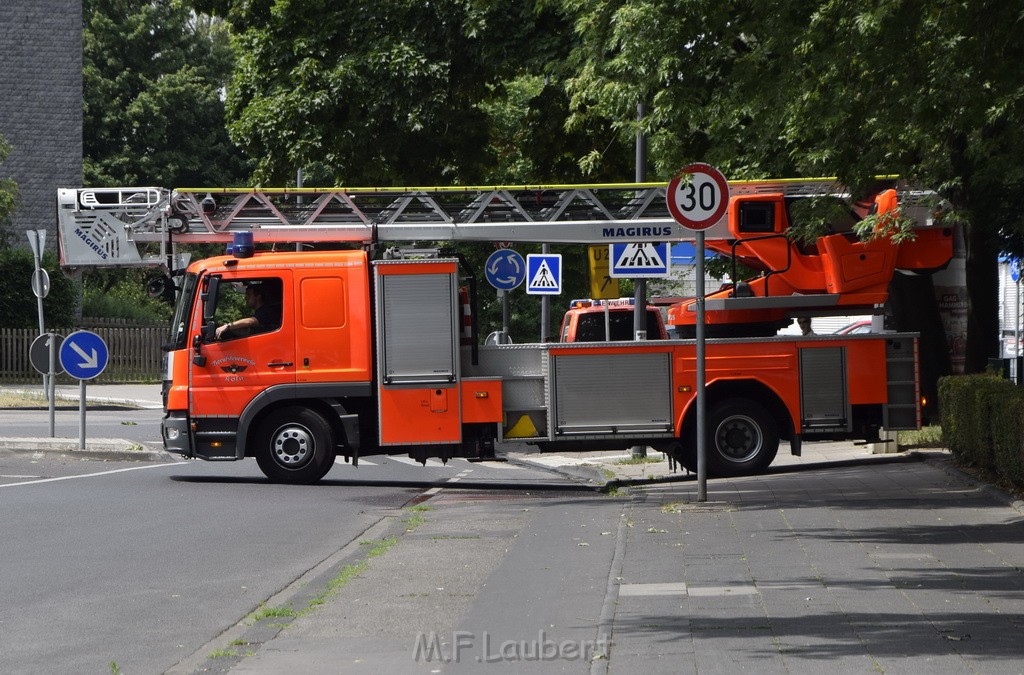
<point x="698" y="197"/>
<point x="39" y="354"/>
<point x="544" y="274"/>
<point x="40" y="283"/>
<point x="83" y="354"/>
<point x="602" y="285"/>
<point x="37" y="242"/>
<point x="640" y="260"/>
<point x="505" y="269"/>
<point x="42" y="354"/>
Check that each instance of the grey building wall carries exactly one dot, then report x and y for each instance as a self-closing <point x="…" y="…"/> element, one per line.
<point x="41" y="105"/>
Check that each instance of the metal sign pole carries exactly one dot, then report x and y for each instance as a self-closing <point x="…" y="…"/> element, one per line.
<point x="81" y="414"/>
<point x="36" y="242"/>
<point x="52" y="383"/>
<point x="545" y="306"/>
<point x="702" y="452"/>
<point x="697" y="198"/>
<point x="504" y="317"/>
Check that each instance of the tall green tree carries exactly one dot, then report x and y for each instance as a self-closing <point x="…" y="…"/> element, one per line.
<point x="927" y="90"/>
<point x="154" y="78"/>
<point x="397" y="92"/>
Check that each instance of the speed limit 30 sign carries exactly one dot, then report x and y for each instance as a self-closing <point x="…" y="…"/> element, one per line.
<point x="698" y="196"/>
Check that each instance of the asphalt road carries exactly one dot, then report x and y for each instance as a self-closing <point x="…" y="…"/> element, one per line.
<point x="142" y="563"/>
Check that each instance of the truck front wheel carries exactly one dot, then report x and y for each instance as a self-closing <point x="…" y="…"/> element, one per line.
<point x="743" y="438"/>
<point x="294" y="445"/>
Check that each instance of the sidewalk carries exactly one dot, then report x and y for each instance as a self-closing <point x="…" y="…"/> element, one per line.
<point x="896" y="563"/>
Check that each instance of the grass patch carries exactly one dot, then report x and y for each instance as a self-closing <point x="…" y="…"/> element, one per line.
<point x="8" y="400"/>
<point x="416" y="518"/>
<point x="350" y="572"/>
<point x="640" y="460"/>
<point x="347" y="574"/>
<point x="277" y="612"/>
<point x="222" y="654"/>
<point x="926" y="437"/>
<point x="379" y="547"/>
<point x="413" y="521"/>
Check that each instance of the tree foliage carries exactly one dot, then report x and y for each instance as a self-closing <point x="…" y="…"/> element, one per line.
<point x="154" y="74"/>
<point x="8" y="199"/>
<point x="929" y="91"/>
<point x="18" y="307"/>
<point x="396" y="92"/>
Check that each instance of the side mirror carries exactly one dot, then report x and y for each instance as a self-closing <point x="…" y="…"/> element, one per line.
<point x="209" y="296"/>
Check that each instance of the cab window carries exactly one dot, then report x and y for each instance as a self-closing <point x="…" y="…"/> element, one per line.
<point x="248" y="307"/>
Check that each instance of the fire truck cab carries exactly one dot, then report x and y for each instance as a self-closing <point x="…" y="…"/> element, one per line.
<point x="608" y="321"/>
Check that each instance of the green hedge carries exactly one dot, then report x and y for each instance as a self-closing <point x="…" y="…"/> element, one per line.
<point x="18" y="307"/>
<point x="983" y="423"/>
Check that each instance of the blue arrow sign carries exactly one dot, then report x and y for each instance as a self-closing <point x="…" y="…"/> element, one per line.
<point x="544" y="274"/>
<point x="505" y="269"/>
<point x="83" y="355"/>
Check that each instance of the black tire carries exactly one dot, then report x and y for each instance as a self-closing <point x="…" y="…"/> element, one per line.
<point x="294" y="445"/>
<point x="743" y="438"/>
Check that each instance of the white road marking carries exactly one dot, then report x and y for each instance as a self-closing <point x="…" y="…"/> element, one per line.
<point x="499" y="465"/>
<point x="415" y="462"/>
<point x="90" y="475"/>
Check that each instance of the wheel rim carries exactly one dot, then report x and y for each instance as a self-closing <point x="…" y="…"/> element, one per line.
<point x="739" y="438"/>
<point x="292" y="446"/>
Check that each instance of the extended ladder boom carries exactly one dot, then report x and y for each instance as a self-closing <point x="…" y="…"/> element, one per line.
<point x="107" y="227"/>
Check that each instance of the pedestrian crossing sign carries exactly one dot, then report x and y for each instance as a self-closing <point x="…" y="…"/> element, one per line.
<point x="544" y="274"/>
<point x="641" y="260"/>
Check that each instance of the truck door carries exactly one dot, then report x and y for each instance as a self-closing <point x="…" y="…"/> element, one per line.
<point x="418" y="352"/>
<point x="253" y="350"/>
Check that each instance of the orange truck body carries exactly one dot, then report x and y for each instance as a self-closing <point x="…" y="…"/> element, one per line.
<point x="366" y="358"/>
<point x="838" y="274"/>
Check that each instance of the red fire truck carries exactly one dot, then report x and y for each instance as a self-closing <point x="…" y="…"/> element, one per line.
<point x="358" y="351"/>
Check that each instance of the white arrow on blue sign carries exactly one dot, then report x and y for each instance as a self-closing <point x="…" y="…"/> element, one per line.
<point x="505" y="269"/>
<point x="83" y="355"/>
<point x="641" y="260"/>
<point x="544" y="274"/>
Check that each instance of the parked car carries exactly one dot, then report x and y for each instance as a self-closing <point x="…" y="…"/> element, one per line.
<point x="855" y="328"/>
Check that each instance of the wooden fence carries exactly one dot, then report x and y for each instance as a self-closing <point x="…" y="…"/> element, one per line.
<point x="134" y="348"/>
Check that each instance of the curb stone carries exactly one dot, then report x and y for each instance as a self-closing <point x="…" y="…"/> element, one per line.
<point x="96" y="448"/>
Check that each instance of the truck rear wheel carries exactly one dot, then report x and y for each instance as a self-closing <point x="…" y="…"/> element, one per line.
<point x="743" y="438"/>
<point x="295" y="445"/>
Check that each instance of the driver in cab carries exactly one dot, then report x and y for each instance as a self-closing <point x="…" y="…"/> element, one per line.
<point x="266" y="314"/>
